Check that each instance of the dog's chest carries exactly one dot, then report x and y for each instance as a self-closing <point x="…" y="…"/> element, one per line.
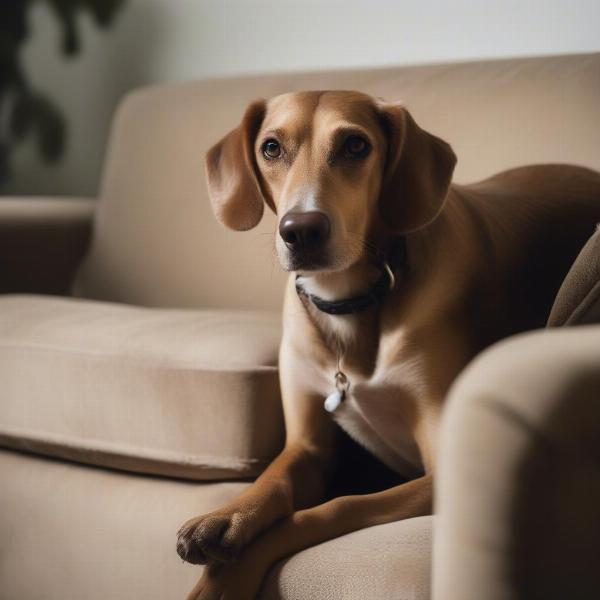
<point x="376" y="413"/>
<point x="384" y="388"/>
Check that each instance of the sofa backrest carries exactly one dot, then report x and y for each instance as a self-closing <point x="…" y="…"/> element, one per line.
<point x="155" y="240"/>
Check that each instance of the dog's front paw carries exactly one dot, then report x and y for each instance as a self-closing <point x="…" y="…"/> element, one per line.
<point x="215" y="537"/>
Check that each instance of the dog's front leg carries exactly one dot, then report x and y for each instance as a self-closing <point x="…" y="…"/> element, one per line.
<point x="295" y="479"/>
<point x="305" y="528"/>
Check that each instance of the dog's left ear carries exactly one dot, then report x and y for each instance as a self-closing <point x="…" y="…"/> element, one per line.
<point x="232" y="175"/>
<point x="417" y="172"/>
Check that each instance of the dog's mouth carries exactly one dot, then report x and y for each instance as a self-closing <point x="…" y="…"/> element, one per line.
<point x="307" y="262"/>
<point x="325" y="260"/>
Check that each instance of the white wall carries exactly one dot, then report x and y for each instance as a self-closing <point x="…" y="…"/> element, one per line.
<point x="169" y="40"/>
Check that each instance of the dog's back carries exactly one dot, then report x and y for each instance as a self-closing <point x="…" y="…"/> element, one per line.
<point x="532" y="222"/>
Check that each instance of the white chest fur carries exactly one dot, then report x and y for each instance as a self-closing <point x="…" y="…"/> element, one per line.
<point x="375" y="416"/>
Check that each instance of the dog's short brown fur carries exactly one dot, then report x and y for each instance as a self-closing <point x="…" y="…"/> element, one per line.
<point x="483" y="261"/>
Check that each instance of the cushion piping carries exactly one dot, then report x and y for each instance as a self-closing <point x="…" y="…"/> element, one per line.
<point x="137" y="361"/>
<point x="128" y="458"/>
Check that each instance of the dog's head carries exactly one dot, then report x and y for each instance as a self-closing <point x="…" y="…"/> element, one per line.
<point x="334" y="167"/>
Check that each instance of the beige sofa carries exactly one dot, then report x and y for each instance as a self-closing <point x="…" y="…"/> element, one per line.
<point x="138" y="348"/>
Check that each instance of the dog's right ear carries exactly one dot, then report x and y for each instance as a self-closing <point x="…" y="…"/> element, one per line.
<point x="417" y="174"/>
<point x="232" y="174"/>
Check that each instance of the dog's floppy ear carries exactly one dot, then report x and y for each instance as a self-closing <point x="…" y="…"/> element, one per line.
<point x="417" y="172"/>
<point x="231" y="172"/>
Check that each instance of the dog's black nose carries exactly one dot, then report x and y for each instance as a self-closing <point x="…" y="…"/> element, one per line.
<point x="304" y="231"/>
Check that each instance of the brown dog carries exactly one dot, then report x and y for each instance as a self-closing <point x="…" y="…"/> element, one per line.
<point x="399" y="280"/>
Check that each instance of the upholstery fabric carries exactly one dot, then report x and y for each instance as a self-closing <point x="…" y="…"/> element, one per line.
<point x="174" y="392"/>
<point x="78" y="533"/>
<point x="391" y="561"/>
<point x="156" y="241"/>
<point x="71" y="532"/>
<point x="42" y="241"/>
<point x="578" y="300"/>
<point x="518" y="480"/>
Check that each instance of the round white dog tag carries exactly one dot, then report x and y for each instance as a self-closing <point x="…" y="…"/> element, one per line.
<point x="333" y="400"/>
<point x="342" y="385"/>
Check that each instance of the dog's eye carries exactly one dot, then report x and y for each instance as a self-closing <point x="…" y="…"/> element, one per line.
<point x="271" y="149"/>
<point x="356" y="147"/>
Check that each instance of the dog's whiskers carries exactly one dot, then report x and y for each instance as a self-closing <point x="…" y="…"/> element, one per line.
<point x="364" y="244"/>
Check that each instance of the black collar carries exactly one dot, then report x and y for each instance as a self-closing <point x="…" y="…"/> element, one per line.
<point x="349" y="306"/>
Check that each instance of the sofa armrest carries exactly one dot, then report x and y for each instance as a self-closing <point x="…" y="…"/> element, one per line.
<point x="42" y="241"/>
<point x="518" y="481"/>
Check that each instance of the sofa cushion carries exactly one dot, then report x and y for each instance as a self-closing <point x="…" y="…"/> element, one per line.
<point x="185" y="393"/>
<point x="71" y="532"/>
<point x="578" y="300"/>
<point x="377" y="563"/>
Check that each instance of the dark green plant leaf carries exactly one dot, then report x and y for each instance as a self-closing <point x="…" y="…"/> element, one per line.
<point x="5" y="170"/>
<point x="50" y="128"/>
<point x="103" y="13"/>
<point x="21" y="117"/>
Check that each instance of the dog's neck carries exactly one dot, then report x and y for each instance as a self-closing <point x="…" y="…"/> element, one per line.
<point x="343" y="330"/>
<point x="410" y="261"/>
<point x="344" y="304"/>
